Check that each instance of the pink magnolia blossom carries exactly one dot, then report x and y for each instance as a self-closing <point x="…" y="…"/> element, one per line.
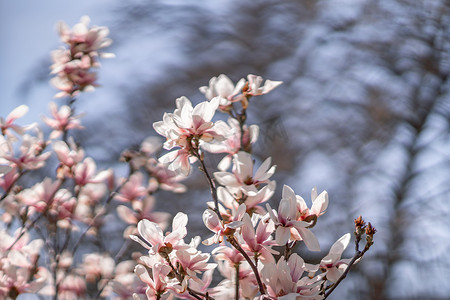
<point x="86" y="172"/>
<point x="287" y="225"/>
<point x="242" y="178"/>
<point x="193" y="262"/>
<point x="68" y="153"/>
<point x="164" y="178"/>
<point x="133" y="189"/>
<point x="47" y="197"/>
<point x="255" y="88"/>
<point x="157" y="285"/>
<point x="318" y="208"/>
<point x="19" y="272"/>
<point x="62" y="121"/>
<point x="30" y="156"/>
<point x="188" y="128"/>
<point x="154" y="239"/>
<point x="258" y="242"/>
<point x="84" y="39"/>
<point x="220" y="227"/>
<point x="332" y="264"/>
<point x="232" y="144"/>
<point x="8" y="124"/>
<point x="224" y="89"/>
<point x="283" y="280"/>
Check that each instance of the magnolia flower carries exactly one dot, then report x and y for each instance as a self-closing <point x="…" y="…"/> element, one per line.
<point x="86" y="172"/>
<point x="31" y="156"/>
<point x="283" y="280"/>
<point x="318" y="208"/>
<point x="68" y="153"/>
<point x="193" y="263"/>
<point x="287" y="225"/>
<point x="242" y="178"/>
<point x="9" y="122"/>
<point x="132" y="189"/>
<point x="188" y="128"/>
<point x="255" y="88"/>
<point x="62" y="121"/>
<point x="222" y="87"/>
<point x="258" y="242"/>
<point x="233" y="143"/>
<point x="332" y="264"/>
<point x="84" y="39"/>
<point x="73" y="65"/>
<point x="157" y="285"/>
<point x="154" y="239"/>
<point x="219" y="227"/>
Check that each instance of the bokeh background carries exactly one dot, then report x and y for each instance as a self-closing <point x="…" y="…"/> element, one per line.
<point x="364" y="111"/>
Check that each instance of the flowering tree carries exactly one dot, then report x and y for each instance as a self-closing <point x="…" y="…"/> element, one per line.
<point x="48" y="225"/>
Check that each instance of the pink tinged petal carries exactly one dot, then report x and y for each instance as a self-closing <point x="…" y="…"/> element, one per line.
<point x="296" y="265"/>
<point x="309" y="239"/>
<point x="179" y="221"/>
<point x="264" y="230"/>
<point x="269" y="85"/>
<point x="340" y="245"/>
<point x="235" y="224"/>
<point x="138" y="240"/>
<point x="288" y="192"/>
<point x="143" y="275"/>
<point x="224" y="86"/>
<point x="225" y="163"/>
<point x="282" y="235"/>
<point x="320" y="204"/>
<point x="17" y="112"/>
<point x="226" y="179"/>
<point x="204" y="111"/>
<point x="333" y="274"/>
<point x="263" y="172"/>
<point x="286" y="211"/>
<point x="248" y="232"/>
<point x="273" y="215"/>
<point x="211" y="220"/>
<point x="243" y="165"/>
<point x="168" y="157"/>
<point x="151" y="232"/>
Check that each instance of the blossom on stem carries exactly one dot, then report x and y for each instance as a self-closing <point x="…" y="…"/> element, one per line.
<point x="222" y="228"/>
<point x="188" y="128"/>
<point x="332" y="264"/>
<point x="9" y="122"/>
<point x="154" y="239"/>
<point x="63" y="120"/>
<point x="222" y="87"/>
<point x="255" y="88"/>
<point x="258" y="242"/>
<point x="288" y="227"/>
<point x="242" y="178"/>
<point x="157" y="286"/>
<point x="30" y="157"/>
<point x="73" y="65"/>
<point x="234" y="142"/>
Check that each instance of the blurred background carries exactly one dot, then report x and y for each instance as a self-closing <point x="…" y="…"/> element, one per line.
<point x="364" y="111"/>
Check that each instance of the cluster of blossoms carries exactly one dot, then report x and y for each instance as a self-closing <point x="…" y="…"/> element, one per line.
<point x="73" y="65"/>
<point x="248" y="234"/>
<point x="72" y="207"/>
